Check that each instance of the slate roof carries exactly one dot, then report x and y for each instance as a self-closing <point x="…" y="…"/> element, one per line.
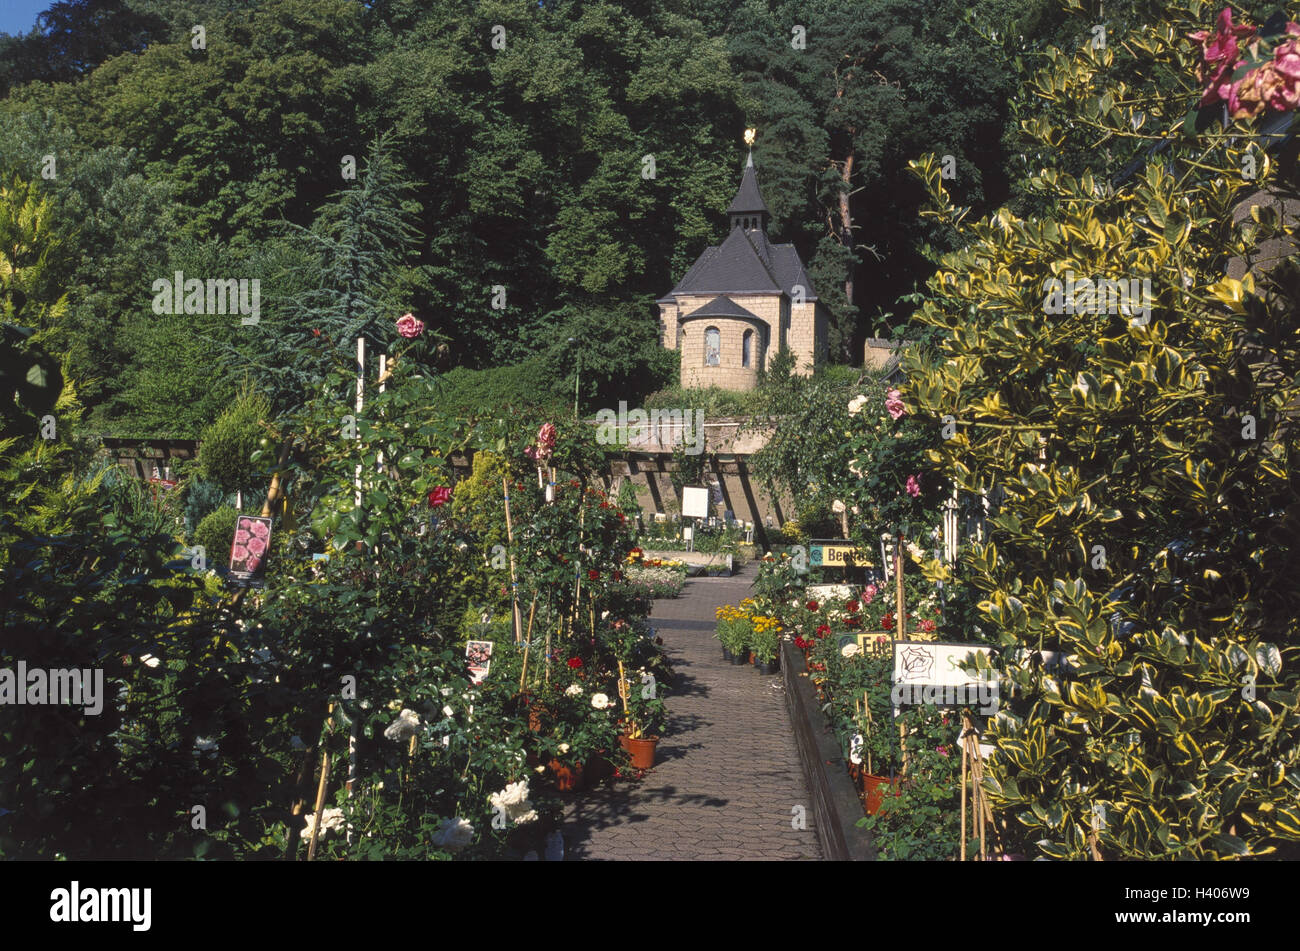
<point x="748" y="199"/>
<point x="722" y="307"/>
<point x="745" y="263"/>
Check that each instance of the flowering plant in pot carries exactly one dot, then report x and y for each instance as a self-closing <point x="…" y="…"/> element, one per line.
<point x="644" y="720"/>
<point x="734" y="630"/>
<point x="764" y="639"/>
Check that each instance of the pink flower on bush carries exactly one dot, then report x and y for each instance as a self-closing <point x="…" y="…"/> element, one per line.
<point x="409" y="326"/>
<point x="941" y="750"/>
<point x="894" y="404"/>
<point x="1219" y="54"/>
<point x="439" y="497"/>
<point x="869" y="593"/>
<point x="545" y="444"/>
<point x="913" y="486"/>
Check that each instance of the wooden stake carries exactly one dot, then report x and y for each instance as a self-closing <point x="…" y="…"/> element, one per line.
<point x="320" y="790"/>
<point x="902" y="597"/>
<point x="963" y="800"/>
<point x="528" y="639"/>
<point x="514" y="585"/>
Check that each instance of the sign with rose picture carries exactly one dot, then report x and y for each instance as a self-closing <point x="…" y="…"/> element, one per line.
<point x="478" y="654"/>
<point x="248" y="551"/>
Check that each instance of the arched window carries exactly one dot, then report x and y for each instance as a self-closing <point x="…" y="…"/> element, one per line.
<point x="712" y="347"/>
<point x="747" y="349"/>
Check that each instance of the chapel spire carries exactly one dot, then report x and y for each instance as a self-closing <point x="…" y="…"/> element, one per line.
<point x="747" y="210"/>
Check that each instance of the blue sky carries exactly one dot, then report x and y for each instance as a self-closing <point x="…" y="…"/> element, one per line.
<point x="19" y="16"/>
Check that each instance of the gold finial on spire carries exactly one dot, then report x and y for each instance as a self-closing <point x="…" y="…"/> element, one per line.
<point x="749" y="137"/>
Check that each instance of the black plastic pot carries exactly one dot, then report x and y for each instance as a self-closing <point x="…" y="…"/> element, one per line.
<point x="768" y="668"/>
<point x="726" y="654"/>
<point x="740" y="658"/>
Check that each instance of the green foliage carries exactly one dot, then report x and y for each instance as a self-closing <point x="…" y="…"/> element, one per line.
<point x="1140" y="532"/>
<point x="216" y="533"/>
<point x="227" y="446"/>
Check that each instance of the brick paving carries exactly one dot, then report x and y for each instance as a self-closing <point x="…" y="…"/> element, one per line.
<point x="727" y="774"/>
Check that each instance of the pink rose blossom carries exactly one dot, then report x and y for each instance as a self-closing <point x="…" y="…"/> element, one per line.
<point x="894" y="404"/>
<point x="409" y="326"/>
<point x="256" y="546"/>
<point x="238" y="553"/>
<point x="869" y="593"/>
<point x="241" y="537"/>
<point x="913" y="486"/>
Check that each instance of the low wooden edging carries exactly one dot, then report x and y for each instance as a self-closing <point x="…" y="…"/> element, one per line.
<point x="836" y="808"/>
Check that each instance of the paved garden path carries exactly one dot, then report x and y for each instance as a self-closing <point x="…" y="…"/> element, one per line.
<point x="726" y="776"/>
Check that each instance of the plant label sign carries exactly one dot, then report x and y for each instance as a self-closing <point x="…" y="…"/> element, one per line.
<point x="931" y="672"/>
<point x="695" y="502"/>
<point x="479" y="656"/>
<point x="248" y="551"/>
<point x="832" y="555"/>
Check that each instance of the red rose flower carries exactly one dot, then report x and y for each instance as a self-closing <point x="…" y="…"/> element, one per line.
<point x="853" y="607"/>
<point x="823" y="630"/>
<point x="811" y="605"/>
<point x="575" y="662"/>
<point x="887" y="621"/>
<point x="593" y="574"/>
<point x="439" y="497"/>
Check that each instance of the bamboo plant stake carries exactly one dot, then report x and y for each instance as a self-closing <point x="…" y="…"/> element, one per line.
<point x="901" y="597"/>
<point x="320" y="788"/>
<point x="514" y="584"/>
<point x="963" y="799"/>
<point x="528" y="642"/>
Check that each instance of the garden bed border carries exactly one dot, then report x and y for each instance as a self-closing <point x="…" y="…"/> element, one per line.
<point x="836" y="808"/>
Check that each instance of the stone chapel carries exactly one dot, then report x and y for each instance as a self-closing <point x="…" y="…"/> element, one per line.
<point x="742" y="302"/>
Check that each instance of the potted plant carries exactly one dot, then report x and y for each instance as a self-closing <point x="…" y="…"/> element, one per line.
<point x="643" y="723"/>
<point x="764" y="639"/>
<point x="733" y="632"/>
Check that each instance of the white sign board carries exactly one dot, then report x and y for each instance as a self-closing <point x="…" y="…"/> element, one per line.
<point x="695" y="502"/>
<point x="931" y="672"/>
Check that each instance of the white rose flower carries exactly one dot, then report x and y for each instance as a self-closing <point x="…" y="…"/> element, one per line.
<point x="330" y="819"/>
<point x="837" y="506"/>
<point x="856" y="404"/>
<point x="574" y="691"/>
<point x="406" y="724"/>
<point x="848" y="650"/>
<point x="599" y="701"/>
<point x="453" y="834"/>
<point x="564" y="747"/>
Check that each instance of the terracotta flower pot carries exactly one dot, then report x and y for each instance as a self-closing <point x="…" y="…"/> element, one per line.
<point x="875" y="787"/>
<point x="622" y="741"/>
<point x="643" y="751"/>
<point x="567" y="778"/>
